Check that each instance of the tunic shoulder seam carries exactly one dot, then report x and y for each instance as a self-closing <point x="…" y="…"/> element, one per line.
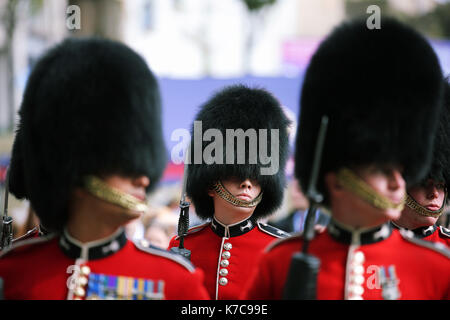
<point x="194" y="229"/>
<point x="274" y="244"/>
<point x="168" y="255"/>
<point x="435" y="246"/>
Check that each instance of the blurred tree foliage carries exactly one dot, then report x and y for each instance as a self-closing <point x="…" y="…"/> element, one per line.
<point x="253" y="5"/>
<point x="36" y="6"/>
<point x="256" y="10"/>
<point x="357" y="8"/>
<point x="435" y="24"/>
<point x="9" y="15"/>
<point x="101" y="18"/>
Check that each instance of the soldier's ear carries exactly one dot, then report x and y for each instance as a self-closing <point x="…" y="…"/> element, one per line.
<point x="78" y="194"/>
<point x="332" y="184"/>
<point x="211" y="192"/>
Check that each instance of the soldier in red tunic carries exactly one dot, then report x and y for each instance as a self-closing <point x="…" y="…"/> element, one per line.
<point x="381" y="90"/>
<point x="88" y="150"/>
<point x="233" y="195"/>
<point x="426" y="201"/>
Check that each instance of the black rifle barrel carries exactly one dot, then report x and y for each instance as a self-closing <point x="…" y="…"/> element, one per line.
<point x="301" y="282"/>
<point x="6" y="228"/>
<point x="183" y="221"/>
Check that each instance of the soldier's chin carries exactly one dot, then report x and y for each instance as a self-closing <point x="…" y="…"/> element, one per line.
<point x="127" y="215"/>
<point x="427" y="221"/>
<point x="393" y="214"/>
<point x="134" y="214"/>
<point x="244" y="210"/>
<point x="236" y="209"/>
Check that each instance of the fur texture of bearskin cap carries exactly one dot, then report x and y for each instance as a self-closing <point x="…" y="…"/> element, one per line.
<point x="240" y="107"/>
<point x="91" y="106"/>
<point x="440" y="165"/>
<point x="382" y="92"/>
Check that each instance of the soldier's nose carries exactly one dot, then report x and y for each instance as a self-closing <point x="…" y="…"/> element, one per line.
<point x="141" y="181"/>
<point x="246" y="184"/>
<point x="396" y="180"/>
<point x="433" y="192"/>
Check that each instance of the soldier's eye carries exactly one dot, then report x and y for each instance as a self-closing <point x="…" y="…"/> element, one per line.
<point x="440" y="186"/>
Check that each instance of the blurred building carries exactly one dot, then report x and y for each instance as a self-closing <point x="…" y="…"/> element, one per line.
<point x="194" y="39"/>
<point x="188" y="39"/>
<point x="27" y="29"/>
<point x="413" y="7"/>
<point x="329" y="12"/>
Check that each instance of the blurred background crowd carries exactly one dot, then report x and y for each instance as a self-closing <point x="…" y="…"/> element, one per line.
<point x="194" y="47"/>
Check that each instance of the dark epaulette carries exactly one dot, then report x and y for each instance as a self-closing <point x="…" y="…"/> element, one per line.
<point x="435" y="246"/>
<point x="444" y="231"/>
<point x="27" y="243"/>
<point x="195" y="229"/>
<point x="278" y="233"/>
<point x="146" y="247"/>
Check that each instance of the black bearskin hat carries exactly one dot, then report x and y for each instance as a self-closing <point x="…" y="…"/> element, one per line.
<point x="240" y="107"/>
<point x="91" y="106"/>
<point x="382" y="92"/>
<point x="440" y="165"/>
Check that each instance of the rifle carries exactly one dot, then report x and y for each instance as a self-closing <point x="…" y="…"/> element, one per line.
<point x="301" y="282"/>
<point x="183" y="222"/>
<point x="6" y="227"/>
<point x="2" y="295"/>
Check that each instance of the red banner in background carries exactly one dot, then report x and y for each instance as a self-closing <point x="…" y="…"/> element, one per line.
<point x="173" y="173"/>
<point x="298" y="52"/>
<point x="4" y="162"/>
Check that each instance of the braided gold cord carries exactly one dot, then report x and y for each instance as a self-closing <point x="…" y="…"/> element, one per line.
<point x="356" y="185"/>
<point x="227" y="196"/>
<point x="99" y="189"/>
<point x="411" y="203"/>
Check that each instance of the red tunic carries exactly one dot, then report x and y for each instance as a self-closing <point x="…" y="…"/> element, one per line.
<point x="227" y="255"/>
<point x="52" y="267"/>
<point x="376" y="264"/>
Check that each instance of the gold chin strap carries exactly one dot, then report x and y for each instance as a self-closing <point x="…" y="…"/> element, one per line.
<point x="357" y="186"/>
<point x="413" y="204"/>
<point x="101" y="190"/>
<point x="227" y="196"/>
